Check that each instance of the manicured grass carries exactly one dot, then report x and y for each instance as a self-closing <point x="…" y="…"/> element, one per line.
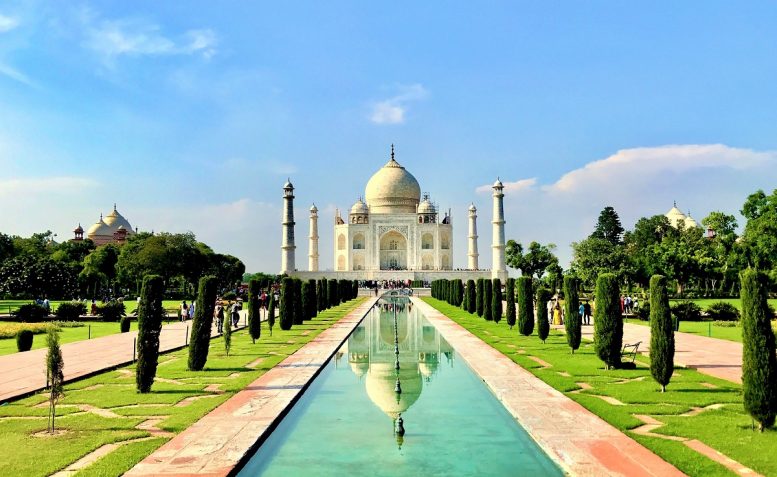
<point x="66" y="335"/>
<point x="727" y="429"/>
<point x="114" y="392"/>
<point x="7" y="306"/>
<point x="707" y="328"/>
<point x="706" y="302"/>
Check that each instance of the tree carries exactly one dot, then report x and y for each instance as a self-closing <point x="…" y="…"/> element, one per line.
<point x="305" y="302"/>
<point x="202" y="323"/>
<point x="594" y="256"/>
<point x="321" y="294"/>
<point x="100" y="267"/>
<point x="271" y="312"/>
<point x="471" y="296"/>
<point x="573" y="322"/>
<point x="287" y="303"/>
<point x="543" y="325"/>
<point x="54" y="370"/>
<point x="334" y="297"/>
<point x="510" y="292"/>
<point x="661" y="333"/>
<point x="488" y="293"/>
<point x="525" y="306"/>
<point x="496" y="300"/>
<point x="532" y="263"/>
<point x="760" y="236"/>
<point x="312" y="310"/>
<point x="759" y="365"/>
<point x="254" y="312"/>
<point x="608" y="227"/>
<point x="227" y="334"/>
<point x="150" y="314"/>
<point x="479" y="297"/>
<point x="608" y="321"/>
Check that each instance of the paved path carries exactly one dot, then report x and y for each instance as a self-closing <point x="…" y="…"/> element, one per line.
<point x="712" y="356"/>
<point x="218" y="442"/>
<point x="25" y="373"/>
<point x="581" y="442"/>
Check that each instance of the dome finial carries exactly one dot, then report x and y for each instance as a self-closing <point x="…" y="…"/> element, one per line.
<point x="114" y="206"/>
<point x="674" y="202"/>
<point x="392" y="151"/>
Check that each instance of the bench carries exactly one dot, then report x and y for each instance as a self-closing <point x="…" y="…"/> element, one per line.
<point x="631" y="350"/>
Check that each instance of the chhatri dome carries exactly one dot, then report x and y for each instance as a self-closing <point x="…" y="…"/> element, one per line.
<point x="392" y="190"/>
<point x="676" y="217"/>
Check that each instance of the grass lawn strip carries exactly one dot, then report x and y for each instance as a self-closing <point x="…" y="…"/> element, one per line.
<point x="726" y="428"/>
<point x="105" y="409"/>
<point x="707" y="329"/>
<point x="66" y="335"/>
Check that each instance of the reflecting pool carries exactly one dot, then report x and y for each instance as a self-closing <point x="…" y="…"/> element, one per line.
<point x="396" y="373"/>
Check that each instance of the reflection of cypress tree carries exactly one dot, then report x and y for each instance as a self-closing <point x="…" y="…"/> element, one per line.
<point x="510" y="296"/>
<point x="661" y="332"/>
<point x="254" y="313"/>
<point x="759" y="365"/>
<point x="573" y="321"/>
<point x="488" y="309"/>
<point x="286" y="310"/>
<point x="202" y="323"/>
<point x="608" y="322"/>
<point x="150" y="313"/>
<point x="471" y="296"/>
<point x="543" y="326"/>
<point x="496" y="300"/>
<point x="479" y="297"/>
<point x="525" y="306"/>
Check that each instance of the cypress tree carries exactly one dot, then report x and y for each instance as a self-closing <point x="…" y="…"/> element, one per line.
<point x="286" y="309"/>
<point x="271" y="312"/>
<point x="321" y="294"/>
<point x="541" y="307"/>
<point x="254" y="313"/>
<point x="305" y="305"/>
<point x="54" y="370"/>
<point x="150" y="314"/>
<point x="573" y="322"/>
<point x="759" y="365"/>
<point x="471" y="293"/>
<point x="227" y="334"/>
<point x="355" y="293"/>
<point x="343" y="287"/>
<point x="334" y="298"/>
<point x="488" y="308"/>
<point x="202" y="323"/>
<point x="312" y="300"/>
<point x="464" y="298"/>
<point x="479" y="297"/>
<point x="510" y="292"/>
<point x="661" y="333"/>
<point x="608" y="322"/>
<point x="299" y="310"/>
<point x="525" y="306"/>
<point x="496" y="300"/>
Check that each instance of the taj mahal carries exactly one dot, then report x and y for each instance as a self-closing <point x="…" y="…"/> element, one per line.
<point x="394" y="233"/>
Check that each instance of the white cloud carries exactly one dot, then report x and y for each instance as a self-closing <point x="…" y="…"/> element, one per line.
<point x="8" y="23"/>
<point x="519" y="185"/>
<point x="393" y="109"/>
<point x="14" y="74"/>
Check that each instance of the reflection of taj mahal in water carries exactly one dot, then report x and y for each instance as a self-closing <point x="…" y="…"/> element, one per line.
<point x="394" y="232"/>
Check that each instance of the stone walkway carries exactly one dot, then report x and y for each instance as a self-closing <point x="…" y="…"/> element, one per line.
<point x="712" y="356"/>
<point x="218" y="442"/>
<point x="582" y="443"/>
<point x="25" y="373"/>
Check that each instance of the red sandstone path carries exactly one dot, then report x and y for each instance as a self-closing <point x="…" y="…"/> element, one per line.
<point x="25" y="373"/>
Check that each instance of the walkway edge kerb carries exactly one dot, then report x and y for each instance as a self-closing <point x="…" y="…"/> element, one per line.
<point x="580" y="442"/>
<point x="220" y="443"/>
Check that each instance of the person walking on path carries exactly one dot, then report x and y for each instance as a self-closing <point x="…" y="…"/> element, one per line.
<point x="587" y="313"/>
<point x="184" y="311"/>
<point x="191" y="310"/>
<point x="557" y="318"/>
<point x="234" y="314"/>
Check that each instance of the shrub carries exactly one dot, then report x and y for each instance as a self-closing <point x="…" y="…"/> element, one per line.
<point x="759" y="364"/>
<point x="723" y="311"/>
<point x="229" y="296"/>
<point x="254" y="313"/>
<point x="510" y="292"/>
<point x="24" y="340"/>
<point x="202" y="323"/>
<point x="488" y="309"/>
<point x="112" y="311"/>
<point x="686" y="311"/>
<point x="343" y="290"/>
<point x="525" y="306"/>
<point x="496" y="300"/>
<point x="70" y="311"/>
<point x="479" y="297"/>
<point x="471" y="296"/>
<point x="332" y="295"/>
<point x="541" y="306"/>
<point x="725" y="324"/>
<point x="608" y="321"/>
<point x="305" y="303"/>
<point x="573" y="322"/>
<point x="643" y="312"/>
<point x="150" y="314"/>
<point x="124" y="324"/>
<point x="271" y="313"/>
<point x="31" y="313"/>
<point x="661" y="333"/>
<point x="287" y="303"/>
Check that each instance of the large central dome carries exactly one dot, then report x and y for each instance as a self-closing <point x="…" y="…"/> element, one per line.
<point x="392" y="190"/>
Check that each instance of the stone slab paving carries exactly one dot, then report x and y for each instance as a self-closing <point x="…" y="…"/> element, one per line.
<point x="712" y="356"/>
<point x="25" y="373"/>
<point x="581" y="442"/>
<point x="217" y="443"/>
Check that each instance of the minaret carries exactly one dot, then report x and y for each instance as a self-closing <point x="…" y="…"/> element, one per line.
<point x="313" y="240"/>
<point x="287" y="256"/>
<point x="472" y="250"/>
<point x="498" y="269"/>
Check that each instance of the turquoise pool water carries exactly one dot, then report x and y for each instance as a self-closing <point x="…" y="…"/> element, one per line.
<point x="344" y="424"/>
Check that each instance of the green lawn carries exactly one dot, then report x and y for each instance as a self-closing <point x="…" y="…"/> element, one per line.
<point x="706" y="328"/>
<point x="727" y="428"/>
<point x="66" y="335"/>
<point x="7" y="306"/>
<point x="706" y="302"/>
<point x="177" y="402"/>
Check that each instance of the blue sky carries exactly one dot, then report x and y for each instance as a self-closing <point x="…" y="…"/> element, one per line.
<point x="191" y="115"/>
